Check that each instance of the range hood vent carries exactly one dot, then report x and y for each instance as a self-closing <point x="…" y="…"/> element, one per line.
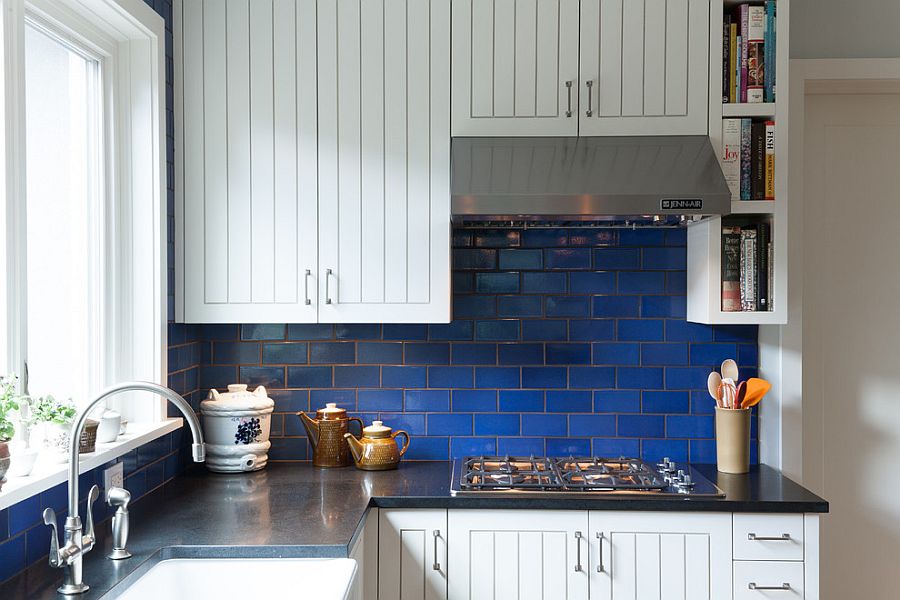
<point x="676" y="179"/>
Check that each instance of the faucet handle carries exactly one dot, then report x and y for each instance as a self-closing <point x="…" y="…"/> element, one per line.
<point x="93" y="494"/>
<point x="50" y="521"/>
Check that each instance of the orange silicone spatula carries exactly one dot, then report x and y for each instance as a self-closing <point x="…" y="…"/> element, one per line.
<point x="756" y="389"/>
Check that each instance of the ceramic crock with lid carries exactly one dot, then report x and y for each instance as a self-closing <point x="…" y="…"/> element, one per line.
<point x="236" y="426"/>
<point x="377" y="450"/>
<point x="326" y="434"/>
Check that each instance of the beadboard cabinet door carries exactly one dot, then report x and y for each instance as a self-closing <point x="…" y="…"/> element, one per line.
<point x="644" y="67"/>
<point x="384" y="161"/>
<point x="246" y="131"/>
<point x="412" y="554"/>
<point x="518" y="555"/>
<point x="660" y="556"/>
<point x="515" y="67"/>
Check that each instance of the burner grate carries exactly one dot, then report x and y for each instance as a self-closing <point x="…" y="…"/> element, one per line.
<point x="508" y="472"/>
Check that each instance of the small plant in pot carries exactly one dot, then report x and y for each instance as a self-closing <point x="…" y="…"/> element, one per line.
<point x="8" y="405"/>
<point x="56" y="418"/>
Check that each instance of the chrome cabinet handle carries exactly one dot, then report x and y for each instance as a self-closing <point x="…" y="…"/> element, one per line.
<point x="578" y="536"/>
<point x="328" y="274"/>
<point x="307" y="301"/>
<point x="770" y="588"/>
<point x="600" y="562"/>
<point x="590" y="86"/>
<point x="569" y="93"/>
<point x="784" y="537"/>
<point x="435" y="565"/>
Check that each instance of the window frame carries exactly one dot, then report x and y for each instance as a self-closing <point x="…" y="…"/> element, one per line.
<point x="130" y="38"/>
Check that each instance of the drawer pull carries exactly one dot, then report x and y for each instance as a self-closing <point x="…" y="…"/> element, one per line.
<point x="435" y="565"/>
<point x="784" y="537"/>
<point x="769" y="588"/>
<point x="578" y="567"/>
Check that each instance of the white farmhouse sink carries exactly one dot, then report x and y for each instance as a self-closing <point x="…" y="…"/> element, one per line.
<point x="220" y="578"/>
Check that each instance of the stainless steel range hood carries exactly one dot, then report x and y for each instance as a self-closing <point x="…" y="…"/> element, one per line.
<point x="628" y="179"/>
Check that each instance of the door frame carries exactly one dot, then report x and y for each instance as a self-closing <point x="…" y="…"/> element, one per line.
<point x="781" y="347"/>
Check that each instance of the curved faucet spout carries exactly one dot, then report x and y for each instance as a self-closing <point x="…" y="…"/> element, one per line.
<point x="197" y="448"/>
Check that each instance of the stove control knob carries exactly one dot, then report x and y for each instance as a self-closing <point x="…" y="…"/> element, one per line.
<point x="687" y="480"/>
<point x="680" y="475"/>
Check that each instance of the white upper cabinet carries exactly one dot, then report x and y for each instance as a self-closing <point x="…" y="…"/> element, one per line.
<point x="384" y="161"/>
<point x="644" y="67"/>
<point x="598" y="67"/>
<point x="313" y="160"/>
<point x="515" y="67"/>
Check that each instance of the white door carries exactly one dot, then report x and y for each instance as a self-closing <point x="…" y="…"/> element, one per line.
<point x="246" y="95"/>
<point x="518" y="555"/>
<point x="660" y="556"/>
<point x="644" y="67"/>
<point x="515" y="67"/>
<point x="384" y="161"/>
<point x="851" y="282"/>
<point x="412" y="554"/>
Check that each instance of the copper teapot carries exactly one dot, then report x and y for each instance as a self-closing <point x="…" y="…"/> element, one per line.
<point x="326" y="434"/>
<point x="377" y="450"/>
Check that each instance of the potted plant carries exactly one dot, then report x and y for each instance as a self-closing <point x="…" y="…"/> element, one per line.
<point x="56" y="418"/>
<point x="8" y="405"/>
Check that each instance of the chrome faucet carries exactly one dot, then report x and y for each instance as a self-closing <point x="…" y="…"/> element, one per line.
<point x="79" y="541"/>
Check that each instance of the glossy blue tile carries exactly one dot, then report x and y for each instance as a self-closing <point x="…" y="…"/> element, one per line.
<point x="642" y="237"/>
<point x="617" y="259"/>
<point x="701" y="403"/>
<point x="12" y="556"/>
<point x="404" y="332"/>
<point x="712" y="355"/>
<point x="742" y="334"/>
<point x="642" y="282"/>
<point x="343" y="398"/>
<point x="568" y="447"/>
<point x="263" y="331"/>
<point x="233" y="353"/>
<point x="473" y="400"/>
<point x="455" y="330"/>
<point x="544" y="330"/>
<point x="569" y="401"/>
<point x="642" y="426"/>
<point x="497" y="283"/>
<point x="520" y="354"/>
<point x="592" y="377"/>
<point x="427" y="400"/>
<point x="309" y="377"/>
<point x="617" y="401"/>
<point x="544" y="424"/>
<point x="592" y="330"/>
<point x="310" y="331"/>
<point x="664" y="306"/>
<point x="687" y="378"/>
<point x="497" y="377"/>
<point x="646" y="378"/>
<point x="450" y="377"/>
<point x="592" y="425"/>
<point x="703" y="451"/>
<point x="271" y="377"/>
<point x="496" y="424"/>
<point x="540" y="237"/>
<point x="684" y="331"/>
<point x="403" y="377"/>
<point x="664" y="354"/>
<point x="429" y="448"/>
<point x="450" y="424"/>
<point x="461" y="238"/>
<point x="349" y="377"/>
<point x="641" y="330"/>
<point x="593" y="237"/>
<point x="568" y="306"/>
<point x="544" y="377"/>
<point x="378" y="400"/>
<point x="473" y="354"/>
<point x="543" y="283"/>
<point x="616" y="447"/>
<point x="469" y="305"/>
<point x="219" y="332"/>
<point x="676" y="282"/>
<point x="24" y="514"/>
<point x="655" y="450"/>
<point x="427" y="353"/>
<point x="748" y="355"/>
<point x="474" y="446"/>
<point x="330" y="353"/>
<point x="520" y="446"/>
<point x="521" y="400"/>
<point x="669" y="258"/>
<point x="676" y="236"/>
<point x="659" y="401"/>
<point x="497" y="330"/>
<point x="291" y="353"/>
<point x="616" y="306"/>
<point x="568" y="354"/>
<point x="521" y="260"/>
<point x="520" y="306"/>
<point x="357" y="331"/>
<point x="497" y="238"/>
<point x="475" y="258"/>
<point x="379" y="353"/>
<point x="567" y="258"/>
<point x="616" y="353"/>
<point x="684" y="426"/>
<point x="4" y="524"/>
<point x="288" y="449"/>
<point x="462" y="282"/>
<point x="594" y="282"/>
<point x="217" y="377"/>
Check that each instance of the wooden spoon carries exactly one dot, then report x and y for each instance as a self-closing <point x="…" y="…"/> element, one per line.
<point x="714" y="384"/>
<point x="729" y="370"/>
<point x="741" y="393"/>
<point x="756" y="389"/>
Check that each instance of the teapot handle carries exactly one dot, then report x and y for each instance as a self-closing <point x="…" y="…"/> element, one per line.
<point x="359" y="422"/>
<point x="404" y="434"/>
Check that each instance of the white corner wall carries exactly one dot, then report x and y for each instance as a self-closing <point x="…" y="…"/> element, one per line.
<point x="845" y="29"/>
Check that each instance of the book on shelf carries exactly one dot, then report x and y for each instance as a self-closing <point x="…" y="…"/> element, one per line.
<point x="748" y="53"/>
<point x="743" y="15"/>
<point x="763" y="241"/>
<point x="726" y="59"/>
<point x="749" y="272"/>
<point x="748" y="158"/>
<point x="747" y="268"/>
<point x="769" y="44"/>
<point x="734" y="63"/>
<point x="731" y="269"/>
<point x="756" y="32"/>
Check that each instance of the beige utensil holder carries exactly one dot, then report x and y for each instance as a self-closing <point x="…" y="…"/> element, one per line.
<point x="733" y="440"/>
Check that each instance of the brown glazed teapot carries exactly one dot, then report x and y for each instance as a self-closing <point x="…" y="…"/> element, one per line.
<point x="377" y="450"/>
<point x="326" y="434"/>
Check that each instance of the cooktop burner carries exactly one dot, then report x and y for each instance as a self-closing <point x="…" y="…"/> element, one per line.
<point x="592" y="476"/>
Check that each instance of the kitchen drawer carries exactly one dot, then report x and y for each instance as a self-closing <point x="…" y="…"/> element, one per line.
<point x="768" y="537"/>
<point x="783" y="580"/>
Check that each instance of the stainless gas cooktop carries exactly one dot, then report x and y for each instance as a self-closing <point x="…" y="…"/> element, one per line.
<point x="593" y="477"/>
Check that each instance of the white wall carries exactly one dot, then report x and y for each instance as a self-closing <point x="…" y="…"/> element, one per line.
<point x="845" y="28"/>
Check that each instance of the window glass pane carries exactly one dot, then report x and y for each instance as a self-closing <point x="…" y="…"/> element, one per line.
<point x="62" y="203"/>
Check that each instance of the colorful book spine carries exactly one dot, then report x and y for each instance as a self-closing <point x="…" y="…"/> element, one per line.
<point x="731" y="155"/>
<point x="770" y="51"/>
<point x="756" y="61"/>
<point x="763" y="240"/>
<point x="744" y="12"/>
<point x="758" y="160"/>
<point x="733" y="63"/>
<point x="749" y="273"/>
<point x="770" y="161"/>
<point x="726" y="59"/>
<point x="737" y="73"/>
<point x="731" y="269"/>
<point x="746" y="125"/>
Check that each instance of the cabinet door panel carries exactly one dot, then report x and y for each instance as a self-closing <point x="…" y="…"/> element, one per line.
<point x="511" y="62"/>
<point x="408" y="550"/>
<point x="647" y="66"/>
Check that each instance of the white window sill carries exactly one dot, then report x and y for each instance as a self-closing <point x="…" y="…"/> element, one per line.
<point x="46" y="474"/>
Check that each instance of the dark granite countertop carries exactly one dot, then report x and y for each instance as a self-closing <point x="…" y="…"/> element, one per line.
<point x="295" y="510"/>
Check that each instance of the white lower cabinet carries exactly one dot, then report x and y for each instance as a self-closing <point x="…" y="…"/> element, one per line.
<point x="518" y="554"/>
<point x="412" y="554"/>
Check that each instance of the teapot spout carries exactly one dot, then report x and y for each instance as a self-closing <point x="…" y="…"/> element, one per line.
<point x="312" y="428"/>
<point x="356" y="449"/>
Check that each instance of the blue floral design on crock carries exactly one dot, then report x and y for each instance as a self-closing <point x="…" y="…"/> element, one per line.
<point x="248" y="431"/>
